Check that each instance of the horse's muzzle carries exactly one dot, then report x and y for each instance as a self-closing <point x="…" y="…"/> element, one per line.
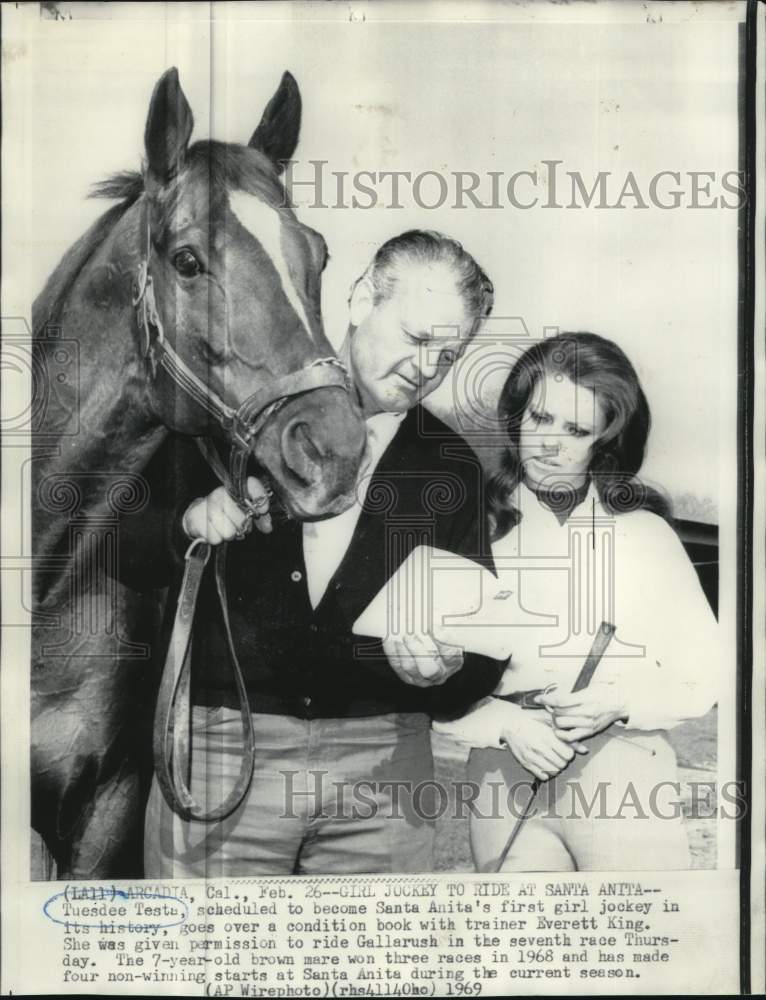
<point x="312" y="449"/>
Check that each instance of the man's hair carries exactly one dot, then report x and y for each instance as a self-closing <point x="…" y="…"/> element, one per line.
<point x="426" y="246"/>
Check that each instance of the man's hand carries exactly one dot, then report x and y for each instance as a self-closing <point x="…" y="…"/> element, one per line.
<point x="217" y="518"/>
<point x="421" y="660"/>
<point x="581" y="714"/>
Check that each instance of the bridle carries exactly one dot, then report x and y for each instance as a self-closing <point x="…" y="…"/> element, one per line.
<point x="242" y="426"/>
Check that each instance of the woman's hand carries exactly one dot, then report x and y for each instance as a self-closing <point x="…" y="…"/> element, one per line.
<point x="536" y="745"/>
<point x="578" y="715"/>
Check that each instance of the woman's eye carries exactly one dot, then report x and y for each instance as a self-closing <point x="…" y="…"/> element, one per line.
<point x="449" y="357"/>
<point x="186" y="263"/>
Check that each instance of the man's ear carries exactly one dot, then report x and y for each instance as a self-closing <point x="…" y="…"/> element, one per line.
<point x="362" y="301"/>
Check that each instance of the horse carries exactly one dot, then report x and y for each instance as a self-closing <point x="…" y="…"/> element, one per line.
<point x="190" y="306"/>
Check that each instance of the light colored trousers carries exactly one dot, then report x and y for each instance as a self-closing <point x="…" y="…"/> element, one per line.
<point x="328" y="796"/>
<point x="615" y="809"/>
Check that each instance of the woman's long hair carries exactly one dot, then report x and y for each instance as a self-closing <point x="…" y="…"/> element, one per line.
<point x="616" y="457"/>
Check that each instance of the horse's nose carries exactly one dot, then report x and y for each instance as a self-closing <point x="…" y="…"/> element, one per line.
<point x="321" y="447"/>
<point x="313" y="449"/>
<point x="299" y="445"/>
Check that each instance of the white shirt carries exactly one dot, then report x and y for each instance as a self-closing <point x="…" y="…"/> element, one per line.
<point x="325" y="542"/>
<point x="627" y="569"/>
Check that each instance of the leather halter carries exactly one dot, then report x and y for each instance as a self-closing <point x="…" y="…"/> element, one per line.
<point x="242" y="425"/>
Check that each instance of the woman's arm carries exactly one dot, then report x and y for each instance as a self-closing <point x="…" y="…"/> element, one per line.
<point x="661" y="611"/>
<point x="680" y="677"/>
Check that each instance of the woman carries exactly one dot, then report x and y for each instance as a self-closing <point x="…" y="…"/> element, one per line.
<point x="578" y="540"/>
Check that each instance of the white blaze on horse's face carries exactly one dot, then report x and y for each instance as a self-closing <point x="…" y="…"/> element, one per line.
<point x="264" y="223"/>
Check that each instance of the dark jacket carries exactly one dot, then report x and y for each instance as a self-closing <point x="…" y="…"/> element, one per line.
<point x="303" y="662"/>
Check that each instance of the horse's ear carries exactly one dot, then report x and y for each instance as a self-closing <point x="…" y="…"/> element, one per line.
<point x="168" y="127"/>
<point x="277" y="133"/>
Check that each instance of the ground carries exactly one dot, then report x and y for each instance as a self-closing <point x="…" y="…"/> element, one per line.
<point x="696" y="748"/>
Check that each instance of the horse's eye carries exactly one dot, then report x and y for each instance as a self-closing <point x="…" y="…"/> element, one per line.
<point x="186" y="264"/>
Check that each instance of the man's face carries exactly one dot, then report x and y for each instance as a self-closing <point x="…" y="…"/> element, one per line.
<point x="402" y="348"/>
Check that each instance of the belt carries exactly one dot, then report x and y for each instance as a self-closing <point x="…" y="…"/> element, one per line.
<point x="526" y="699"/>
<point x="304" y="708"/>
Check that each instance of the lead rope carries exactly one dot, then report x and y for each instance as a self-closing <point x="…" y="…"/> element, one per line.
<point x="173" y="714"/>
<point x="172" y="721"/>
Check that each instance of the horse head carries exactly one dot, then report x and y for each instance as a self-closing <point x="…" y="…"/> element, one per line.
<point x="227" y="289"/>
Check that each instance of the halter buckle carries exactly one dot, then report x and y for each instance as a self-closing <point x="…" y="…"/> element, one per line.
<point x="153" y="316"/>
<point x="139" y="285"/>
<point x="148" y="318"/>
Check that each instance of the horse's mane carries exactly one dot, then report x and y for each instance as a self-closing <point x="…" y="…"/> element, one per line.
<point x="128" y="186"/>
<point x="226" y="166"/>
<point x="48" y="304"/>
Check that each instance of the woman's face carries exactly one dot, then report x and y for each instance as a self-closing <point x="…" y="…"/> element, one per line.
<point x="560" y="425"/>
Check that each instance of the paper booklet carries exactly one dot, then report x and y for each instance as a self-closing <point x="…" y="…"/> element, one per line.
<point x="453" y="598"/>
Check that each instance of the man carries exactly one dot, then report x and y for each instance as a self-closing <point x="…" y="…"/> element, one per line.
<point x="343" y="752"/>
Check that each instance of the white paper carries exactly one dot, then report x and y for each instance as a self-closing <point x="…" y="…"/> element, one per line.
<point x="448" y="596"/>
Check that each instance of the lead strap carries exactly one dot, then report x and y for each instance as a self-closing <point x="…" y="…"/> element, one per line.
<point x="172" y="719"/>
